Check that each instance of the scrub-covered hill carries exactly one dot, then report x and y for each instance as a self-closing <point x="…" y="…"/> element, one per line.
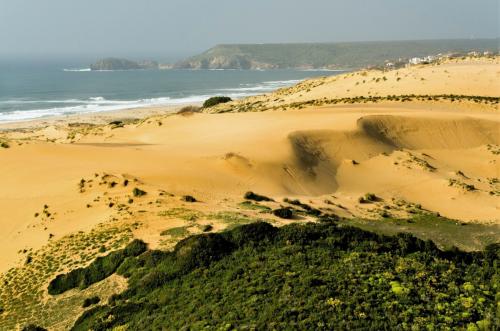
<point x="342" y="55"/>
<point x="303" y="277"/>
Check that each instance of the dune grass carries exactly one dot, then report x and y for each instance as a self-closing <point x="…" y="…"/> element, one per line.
<point x="23" y="289"/>
<point x="177" y="232"/>
<point x="248" y="205"/>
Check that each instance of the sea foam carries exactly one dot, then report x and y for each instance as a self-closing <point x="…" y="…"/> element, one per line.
<point x="77" y="70"/>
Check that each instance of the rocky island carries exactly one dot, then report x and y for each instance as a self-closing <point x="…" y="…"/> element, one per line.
<point x="122" y="64"/>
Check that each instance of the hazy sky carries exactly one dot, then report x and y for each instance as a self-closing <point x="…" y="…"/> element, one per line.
<point x="159" y="28"/>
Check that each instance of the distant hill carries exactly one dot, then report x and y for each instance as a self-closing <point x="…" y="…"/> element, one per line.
<point x="327" y="55"/>
<point x="122" y="64"/>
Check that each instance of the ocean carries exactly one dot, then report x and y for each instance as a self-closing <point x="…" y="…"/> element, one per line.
<point x="41" y="90"/>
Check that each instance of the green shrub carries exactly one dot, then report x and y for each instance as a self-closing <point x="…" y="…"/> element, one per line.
<point x="213" y="101"/>
<point x="286" y="213"/>
<point x="175" y="232"/>
<point x="116" y="124"/>
<point x="252" y="206"/>
<point x="33" y="327"/>
<point x="135" y="247"/>
<point x="257" y="233"/>
<point x="137" y="192"/>
<point x="207" y="228"/>
<point x="368" y="197"/>
<point x="201" y="250"/>
<point x="99" y="269"/>
<point x="4" y="144"/>
<point x="90" y="301"/>
<point x="188" y="198"/>
<point x="256" y="197"/>
<point x="308" y="209"/>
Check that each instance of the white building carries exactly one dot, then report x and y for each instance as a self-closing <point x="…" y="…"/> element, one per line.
<point x="420" y="60"/>
<point x="415" y="60"/>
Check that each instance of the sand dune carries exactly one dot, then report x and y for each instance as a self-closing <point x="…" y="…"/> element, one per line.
<point x="431" y="153"/>
<point x="430" y="132"/>
<point x="471" y="77"/>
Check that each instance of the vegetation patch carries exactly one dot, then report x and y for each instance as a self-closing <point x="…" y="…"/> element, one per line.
<point x="446" y="233"/>
<point x="182" y="213"/>
<point x="286" y="213"/>
<point x="368" y="197"/>
<point x="99" y="269"/>
<point x="254" y="206"/>
<point x="231" y="218"/>
<point x="188" y="198"/>
<point x="181" y="231"/>
<point x="260" y="106"/>
<point x="257" y="276"/>
<point x="33" y="327"/>
<point x="137" y="192"/>
<point x="206" y="228"/>
<point x="213" y="101"/>
<point x="307" y="209"/>
<point x="90" y="301"/>
<point x="23" y="289"/>
<point x="256" y="197"/>
<point x="116" y="124"/>
<point x="460" y="184"/>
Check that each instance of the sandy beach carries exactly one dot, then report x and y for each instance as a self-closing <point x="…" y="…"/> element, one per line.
<point x="98" y="118"/>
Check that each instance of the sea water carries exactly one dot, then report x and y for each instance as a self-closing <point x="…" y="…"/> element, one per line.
<point x="41" y="90"/>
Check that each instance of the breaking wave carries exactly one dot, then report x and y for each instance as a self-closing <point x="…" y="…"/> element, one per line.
<point x="12" y="110"/>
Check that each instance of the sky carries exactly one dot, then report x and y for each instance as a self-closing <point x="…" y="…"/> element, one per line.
<point x="168" y="28"/>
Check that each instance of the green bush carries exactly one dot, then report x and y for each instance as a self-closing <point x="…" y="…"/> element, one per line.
<point x="201" y="250"/>
<point x="99" y="269"/>
<point x="213" y="101"/>
<point x="368" y="197"/>
<point x="256" y="197"/>
<point x="308" y="209"/>
<point x="257" y="233"/>
<point x="253" y="206"/>
<point x="90" y="301"/>
<point x="188" y="198"/>
<point x="175" y="232"/>
<point x="137" y="192"/>
<point x="33" y="327"/>
<point x="207" y="228"/>
<point x="286" y="213"/>
<point x="135" y="247"/>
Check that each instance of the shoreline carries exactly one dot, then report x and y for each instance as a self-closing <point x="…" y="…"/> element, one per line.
<point x="111" y="109"/>
<point x="97" y="118"/>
